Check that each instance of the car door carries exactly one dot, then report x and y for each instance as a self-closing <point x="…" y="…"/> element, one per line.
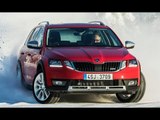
<point x="32" y="55"/>
<point x="23" y="55"/>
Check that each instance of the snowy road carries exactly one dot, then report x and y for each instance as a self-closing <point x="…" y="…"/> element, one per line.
<point x="82" y="101"/>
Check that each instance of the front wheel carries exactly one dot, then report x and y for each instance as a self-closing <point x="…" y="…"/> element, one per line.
<point x="136" y="97"/>
<point x="39" y="90"/>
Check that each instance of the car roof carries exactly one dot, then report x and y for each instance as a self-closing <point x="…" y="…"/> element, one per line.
<point x="76" y="25"/>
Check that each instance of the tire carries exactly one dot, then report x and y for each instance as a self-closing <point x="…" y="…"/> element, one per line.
<point x="39" y="90"/>
<point x="21" y="78"/>
<point x="133" y="97"/>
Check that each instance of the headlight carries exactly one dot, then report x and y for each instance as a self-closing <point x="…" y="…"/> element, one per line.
<point x="123" y="64"/>
<point x="69" y="64"/>
<point x="133" y="63"/>
<point x="55" y="63"/>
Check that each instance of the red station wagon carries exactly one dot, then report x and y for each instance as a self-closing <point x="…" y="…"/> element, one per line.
<point x="75" y="58"/>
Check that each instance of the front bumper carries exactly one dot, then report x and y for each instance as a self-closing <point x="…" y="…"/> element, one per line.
<point x="70" y="74"/>
<point x="93" y="86"/>
<point x="73" y="77"/>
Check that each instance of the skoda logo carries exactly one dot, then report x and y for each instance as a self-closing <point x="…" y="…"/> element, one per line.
<point x="97" y="60"/>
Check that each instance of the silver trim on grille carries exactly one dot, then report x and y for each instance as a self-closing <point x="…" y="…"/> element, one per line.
<point x="96" y="88"/>
<point x="110" y="66"/>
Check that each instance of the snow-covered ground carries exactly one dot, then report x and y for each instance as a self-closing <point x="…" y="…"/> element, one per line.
<point x="82" y="105"/>
<point x="141" y="28"/>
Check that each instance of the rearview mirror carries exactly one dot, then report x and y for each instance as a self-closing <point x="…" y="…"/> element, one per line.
<point x="33" y="44"/>
<point x="129" y="44"/>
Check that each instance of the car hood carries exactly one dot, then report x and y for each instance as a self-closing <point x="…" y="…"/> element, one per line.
<point x="90" y="54"/>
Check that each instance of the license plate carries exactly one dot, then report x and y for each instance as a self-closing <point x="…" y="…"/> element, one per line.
<point x="98" y="76"/>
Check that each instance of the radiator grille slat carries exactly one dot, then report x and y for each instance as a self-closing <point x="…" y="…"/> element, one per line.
<point x="86" y="66"/>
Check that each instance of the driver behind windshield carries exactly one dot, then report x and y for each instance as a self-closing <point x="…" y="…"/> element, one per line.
<point x="96" y="39"/>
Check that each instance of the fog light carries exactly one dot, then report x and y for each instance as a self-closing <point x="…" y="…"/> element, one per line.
<point x="132" y="83"/>
<point x="59" y="83"/>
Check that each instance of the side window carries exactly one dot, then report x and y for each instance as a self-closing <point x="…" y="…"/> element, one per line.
<point x="29" y="36"/>
<point x="36" y="35"/>
<point x="39" y="37"/>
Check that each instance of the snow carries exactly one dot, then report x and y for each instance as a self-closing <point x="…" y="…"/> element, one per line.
<point x="82" y="105"/>
<point x="140" y="28"/>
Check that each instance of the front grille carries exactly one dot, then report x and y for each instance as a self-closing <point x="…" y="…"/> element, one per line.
<point x="85" y="66"/>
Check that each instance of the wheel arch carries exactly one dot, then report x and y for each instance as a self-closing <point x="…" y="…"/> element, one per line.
<point x="40" y="67"/>
<point x="21" y="67"/>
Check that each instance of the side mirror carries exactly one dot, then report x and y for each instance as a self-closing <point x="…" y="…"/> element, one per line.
<point x="33" y="44"/>
<point x="129" y="44"/>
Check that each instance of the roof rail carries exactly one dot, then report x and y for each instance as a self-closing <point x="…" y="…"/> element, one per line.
<point x="101" y="23"/>
<point x="44" y="22"/>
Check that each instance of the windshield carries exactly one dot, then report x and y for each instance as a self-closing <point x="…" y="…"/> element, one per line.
<point x="74" y="37"/>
